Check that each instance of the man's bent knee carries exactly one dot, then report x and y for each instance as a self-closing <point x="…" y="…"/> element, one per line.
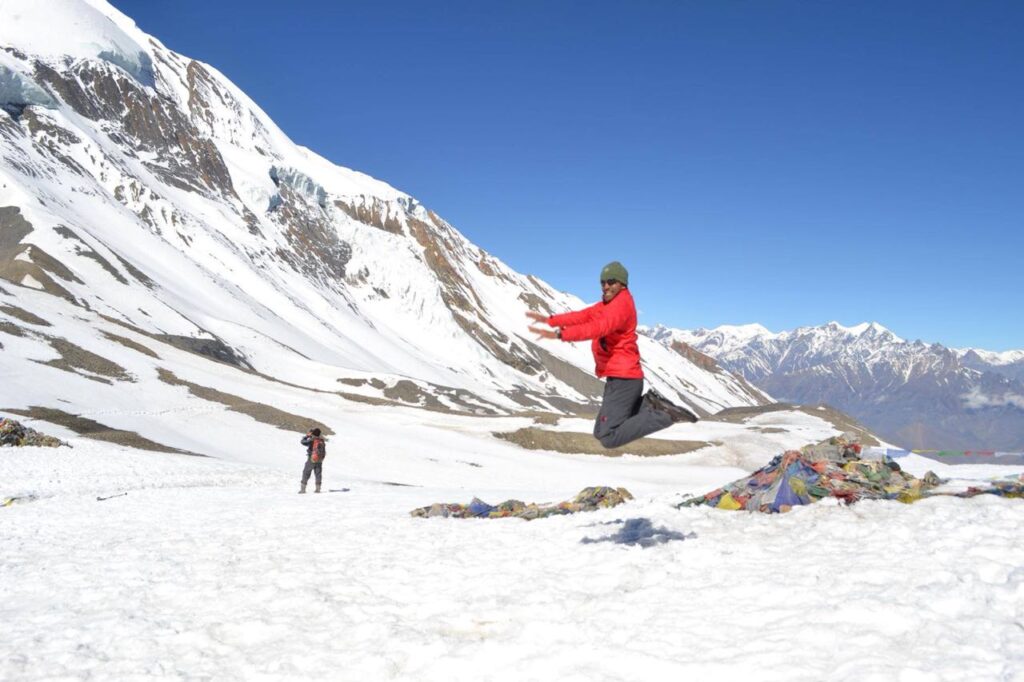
<point x="609" y="441"/>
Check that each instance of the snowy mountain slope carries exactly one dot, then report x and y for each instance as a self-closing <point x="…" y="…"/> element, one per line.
<point x="916" y="394"/>
<point x="99" y="377"/>
<point x="145" y="187"/>
<point x="1009" y="364"/>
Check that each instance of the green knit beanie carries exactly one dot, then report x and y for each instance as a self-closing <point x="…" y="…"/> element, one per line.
<point x="615" y="270"/>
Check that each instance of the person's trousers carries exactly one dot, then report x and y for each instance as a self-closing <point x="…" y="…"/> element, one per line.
<point x="624" y="417"/>
<point x="314" y="468"/>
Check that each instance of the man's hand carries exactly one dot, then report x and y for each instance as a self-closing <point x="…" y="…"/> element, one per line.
<point x="540" y="331"/>
<point x="537" y="317"/>
<point x="544" y="333"/>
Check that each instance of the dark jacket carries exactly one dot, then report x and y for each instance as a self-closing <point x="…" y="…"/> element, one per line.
<point x="612" y="326"/>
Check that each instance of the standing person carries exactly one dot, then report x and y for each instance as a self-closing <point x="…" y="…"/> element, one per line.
<point x="316" y="451"/>
<point x="625" y="413"/>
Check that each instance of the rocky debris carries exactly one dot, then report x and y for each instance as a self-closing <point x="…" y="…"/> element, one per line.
<point x="15" y="434"/>
<point x="588" y="499"/>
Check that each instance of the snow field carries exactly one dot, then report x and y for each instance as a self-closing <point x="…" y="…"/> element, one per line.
<point x="213" y="570"/>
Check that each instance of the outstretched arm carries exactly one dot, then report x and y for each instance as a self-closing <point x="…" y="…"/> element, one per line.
<point x="608" y="318"/>
<point x="576" y="317"/>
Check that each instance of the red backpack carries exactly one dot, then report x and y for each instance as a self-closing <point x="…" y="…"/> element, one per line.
<point x="319" y="450"/>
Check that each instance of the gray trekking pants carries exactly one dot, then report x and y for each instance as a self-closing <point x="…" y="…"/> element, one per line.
<point x="623" y="417"/>
<point x="314" y="468"/>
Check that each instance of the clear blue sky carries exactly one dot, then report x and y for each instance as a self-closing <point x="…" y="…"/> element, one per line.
<point x="788" y="163"/>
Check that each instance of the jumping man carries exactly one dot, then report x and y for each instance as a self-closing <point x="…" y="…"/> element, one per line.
<point x="626" y="413"/>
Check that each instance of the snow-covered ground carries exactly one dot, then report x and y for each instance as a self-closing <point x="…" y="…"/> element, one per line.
<point x="210" y="569"/>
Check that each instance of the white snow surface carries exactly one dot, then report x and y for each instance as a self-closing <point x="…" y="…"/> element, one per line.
<point x="214" y="570"/>
<point x="1008" y="357"/>
<point x="79" y="29"/>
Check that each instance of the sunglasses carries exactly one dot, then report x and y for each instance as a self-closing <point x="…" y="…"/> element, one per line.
<point x="609" y="282"/>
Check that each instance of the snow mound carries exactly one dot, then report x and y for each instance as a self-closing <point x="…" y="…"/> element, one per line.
<point x="58" y="29"/>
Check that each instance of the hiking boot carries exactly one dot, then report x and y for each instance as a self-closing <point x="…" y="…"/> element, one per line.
<point x="317" y="488"/>
<point x="302" y="489"/>
<point x="660" y="403"/>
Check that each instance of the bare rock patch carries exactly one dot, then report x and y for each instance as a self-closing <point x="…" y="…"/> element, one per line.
<point x="87" y="428"/>
<point x="78" y="360"/>
<point x="265" y="414"/>
<point x="533" y="438"/>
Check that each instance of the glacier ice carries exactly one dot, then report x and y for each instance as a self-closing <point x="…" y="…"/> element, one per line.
<point x="140" y="67"/>
<point x="18" y="91"/>
<point x="300" y="182"/>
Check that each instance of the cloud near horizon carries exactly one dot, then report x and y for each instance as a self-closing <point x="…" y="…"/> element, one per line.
<point x="975" y="400"/>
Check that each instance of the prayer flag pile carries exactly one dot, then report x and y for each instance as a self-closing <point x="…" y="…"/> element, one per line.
<point x="588" y="499"/>
<point x="834" y="469"/>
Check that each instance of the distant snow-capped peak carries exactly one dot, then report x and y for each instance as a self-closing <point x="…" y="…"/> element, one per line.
<point x="914" y="393"/>
<point x="724" y="341"/>
<point x="1008" y="357"/>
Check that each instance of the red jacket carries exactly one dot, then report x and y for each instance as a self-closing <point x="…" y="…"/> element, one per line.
<point x="612" y="326"/>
